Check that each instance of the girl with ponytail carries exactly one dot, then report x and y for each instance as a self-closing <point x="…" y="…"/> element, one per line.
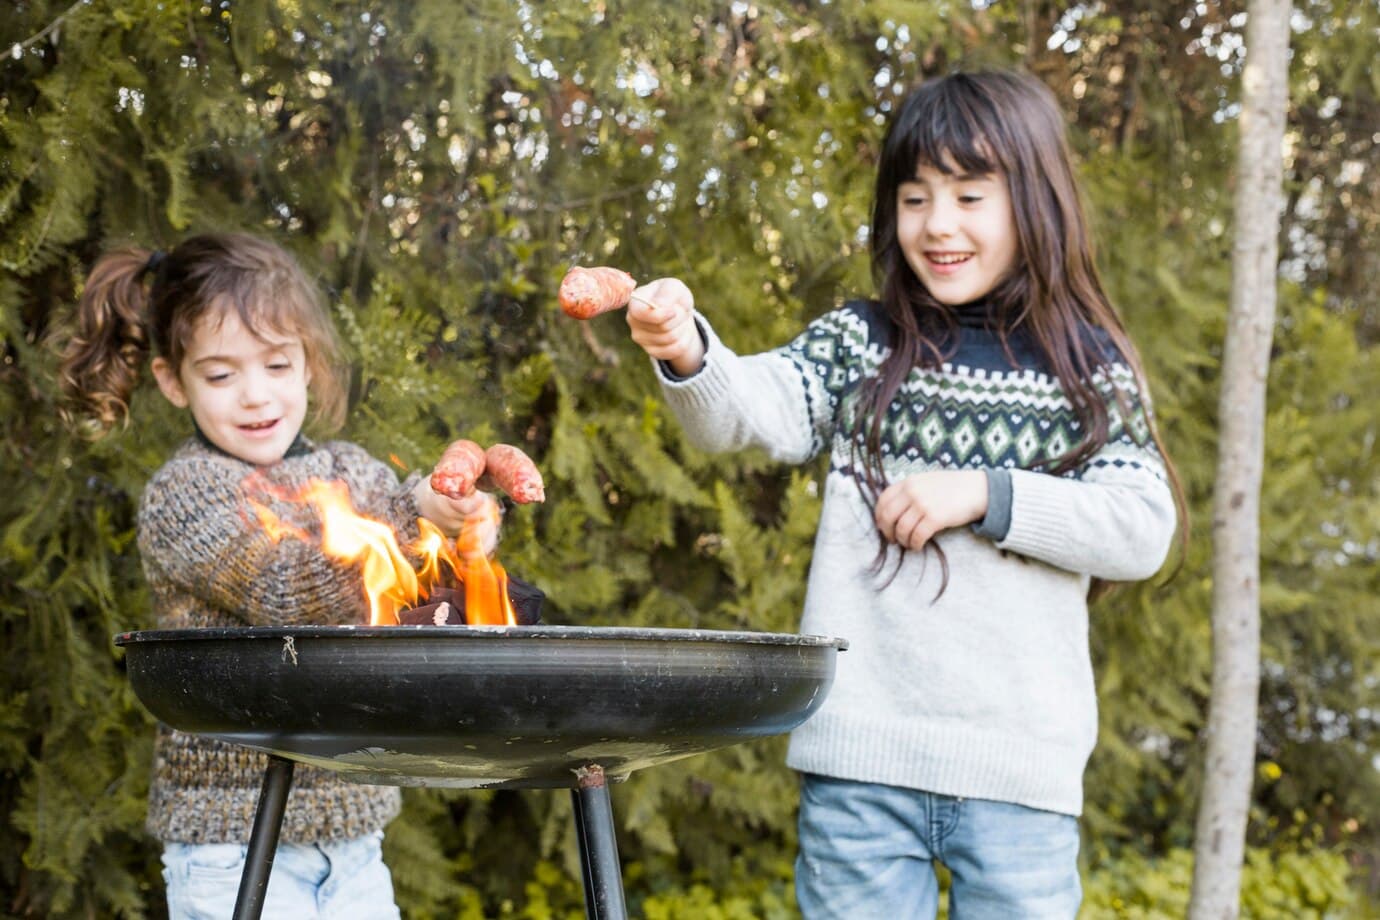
<point x="235" y="333"/>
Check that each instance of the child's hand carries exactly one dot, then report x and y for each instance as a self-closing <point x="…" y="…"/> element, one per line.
<point x="474" y="517"/>
<point x="911" y="511"/>
<point x="661" y="318"/>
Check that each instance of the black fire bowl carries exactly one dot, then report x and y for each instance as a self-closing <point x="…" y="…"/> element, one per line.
<point x="479" y="707"/>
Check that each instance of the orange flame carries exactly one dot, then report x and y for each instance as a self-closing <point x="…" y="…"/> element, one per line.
<point x="390" y="581"/>
<point x="486" y="584"/>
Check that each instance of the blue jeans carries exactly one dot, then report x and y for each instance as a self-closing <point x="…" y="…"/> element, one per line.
<point x="345" y="880"/>
<point x="868" y="850"/>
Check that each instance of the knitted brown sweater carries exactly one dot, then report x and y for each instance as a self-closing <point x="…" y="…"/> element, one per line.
<point x="207" y="566"/>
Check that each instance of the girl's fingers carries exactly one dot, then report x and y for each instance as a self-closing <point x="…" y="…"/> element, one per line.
<point x="470" y="504"/>
<point x="907" y="526"/>
<point x="662" y="324"/>
<point x="901" y="516"/>
<point x="654" y="337"/>
<point x="885" y="515"/>
<point x="890" y="504"/>
<point x="922" y="533"/>
<point x="645" y="313"/>
<point x="667" y="297"/>
<point x="655" y="317"/>
<point x="651" y="344"/>
<point x="912" y="511"/>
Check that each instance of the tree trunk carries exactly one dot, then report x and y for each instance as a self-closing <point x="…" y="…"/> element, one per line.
<point x="1221" y="829"/>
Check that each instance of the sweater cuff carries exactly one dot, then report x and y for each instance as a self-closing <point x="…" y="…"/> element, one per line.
<point x="665" y="366"/>
<point x="997" y="522"/>
<point x="706" y="389"/>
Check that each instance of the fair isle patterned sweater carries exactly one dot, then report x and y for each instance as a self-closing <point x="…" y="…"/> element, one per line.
<point x="985" y="691"/>
<point x="206" y="565"/>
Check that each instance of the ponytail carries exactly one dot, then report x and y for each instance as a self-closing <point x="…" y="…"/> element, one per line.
<point x="101" y="364"/>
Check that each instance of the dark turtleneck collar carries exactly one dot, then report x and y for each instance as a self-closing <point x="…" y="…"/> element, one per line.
<point x="299" y="446"/>
<point x="977" y="314"/>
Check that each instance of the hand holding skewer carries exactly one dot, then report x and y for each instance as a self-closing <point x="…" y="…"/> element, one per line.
<point x="661" y="316"/>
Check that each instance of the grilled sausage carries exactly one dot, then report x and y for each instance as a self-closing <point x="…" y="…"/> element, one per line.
<point x="460" y="465"/>
<point x="515" y="473"/>
<point x="587" y="292"/>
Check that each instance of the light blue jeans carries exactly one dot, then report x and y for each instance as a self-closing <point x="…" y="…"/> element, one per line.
<point x="868" y="850"/>
<point x="328" y="881"/>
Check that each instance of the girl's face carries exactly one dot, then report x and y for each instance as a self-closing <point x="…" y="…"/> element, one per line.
<point x="247" y="392"/>
<point x="957" y="232"/>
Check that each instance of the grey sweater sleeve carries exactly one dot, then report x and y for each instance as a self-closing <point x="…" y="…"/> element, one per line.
<point x="1116" y="526"/>
<point x="735" y="402"/>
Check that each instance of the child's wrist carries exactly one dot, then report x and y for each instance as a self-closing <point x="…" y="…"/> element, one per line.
<point x="691" y="358"/>
<point x="687" y="365"/>
<point x="981" y="493"/>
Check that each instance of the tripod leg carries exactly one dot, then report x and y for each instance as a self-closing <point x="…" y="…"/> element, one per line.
<point x="263" y="839"/>
<point x="598" y="847"/>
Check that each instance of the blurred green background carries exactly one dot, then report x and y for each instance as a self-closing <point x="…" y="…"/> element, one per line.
<point x="439" y="164"/>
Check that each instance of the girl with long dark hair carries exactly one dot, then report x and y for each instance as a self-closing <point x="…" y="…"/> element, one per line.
<point x="993" y="462"/>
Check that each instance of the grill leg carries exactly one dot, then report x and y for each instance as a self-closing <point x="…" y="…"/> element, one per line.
<point x="598" y="846"/>
<point x="263" y="839"/>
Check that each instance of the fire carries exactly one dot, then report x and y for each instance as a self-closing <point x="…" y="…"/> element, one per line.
<point x="390" y="581"/>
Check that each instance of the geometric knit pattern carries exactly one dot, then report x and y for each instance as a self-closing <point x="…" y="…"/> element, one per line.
<point x="209" y="564"/>
<point x="976" y="411"/>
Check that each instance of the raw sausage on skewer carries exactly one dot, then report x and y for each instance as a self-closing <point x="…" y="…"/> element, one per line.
<point x="587" y="292"/>
<point x="460" y="465"/>
<point x="515" y="473"/>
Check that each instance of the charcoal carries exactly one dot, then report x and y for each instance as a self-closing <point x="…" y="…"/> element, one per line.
<point x="426" y="615"/>
<point x="527" y="603"/>
<point x="455" y="596"/>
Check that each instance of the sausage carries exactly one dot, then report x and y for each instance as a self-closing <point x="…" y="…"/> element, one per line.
<point x="515" y="473"/>
<point x="460" y="465"/>
<point x="587" y="292"/>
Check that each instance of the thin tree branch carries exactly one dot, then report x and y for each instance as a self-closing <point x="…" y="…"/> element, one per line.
<point x="51" y="27"/>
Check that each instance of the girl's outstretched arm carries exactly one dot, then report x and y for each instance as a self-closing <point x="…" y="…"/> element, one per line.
<point x="786" y="401"/>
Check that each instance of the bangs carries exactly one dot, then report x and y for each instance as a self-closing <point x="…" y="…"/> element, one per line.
<point x="274" y="300"/>
<point x="965" y="153"/>
<point x="270" y="305"/>
<point x="273" y="305"/>
<point x="938" y="129"/>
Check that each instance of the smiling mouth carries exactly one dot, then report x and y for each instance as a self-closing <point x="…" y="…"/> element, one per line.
<point x="259" y="426"/>
<point x="948" y="258"/>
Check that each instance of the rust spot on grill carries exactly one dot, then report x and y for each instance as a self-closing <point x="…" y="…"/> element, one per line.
<point x="590" y="776"/>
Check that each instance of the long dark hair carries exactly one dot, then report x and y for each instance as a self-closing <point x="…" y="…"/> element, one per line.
<point x="1004" y="123"/>
<point x="138" y="302"/>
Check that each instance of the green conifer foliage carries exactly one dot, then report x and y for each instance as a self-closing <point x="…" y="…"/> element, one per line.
<point x="439" y="165"/>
